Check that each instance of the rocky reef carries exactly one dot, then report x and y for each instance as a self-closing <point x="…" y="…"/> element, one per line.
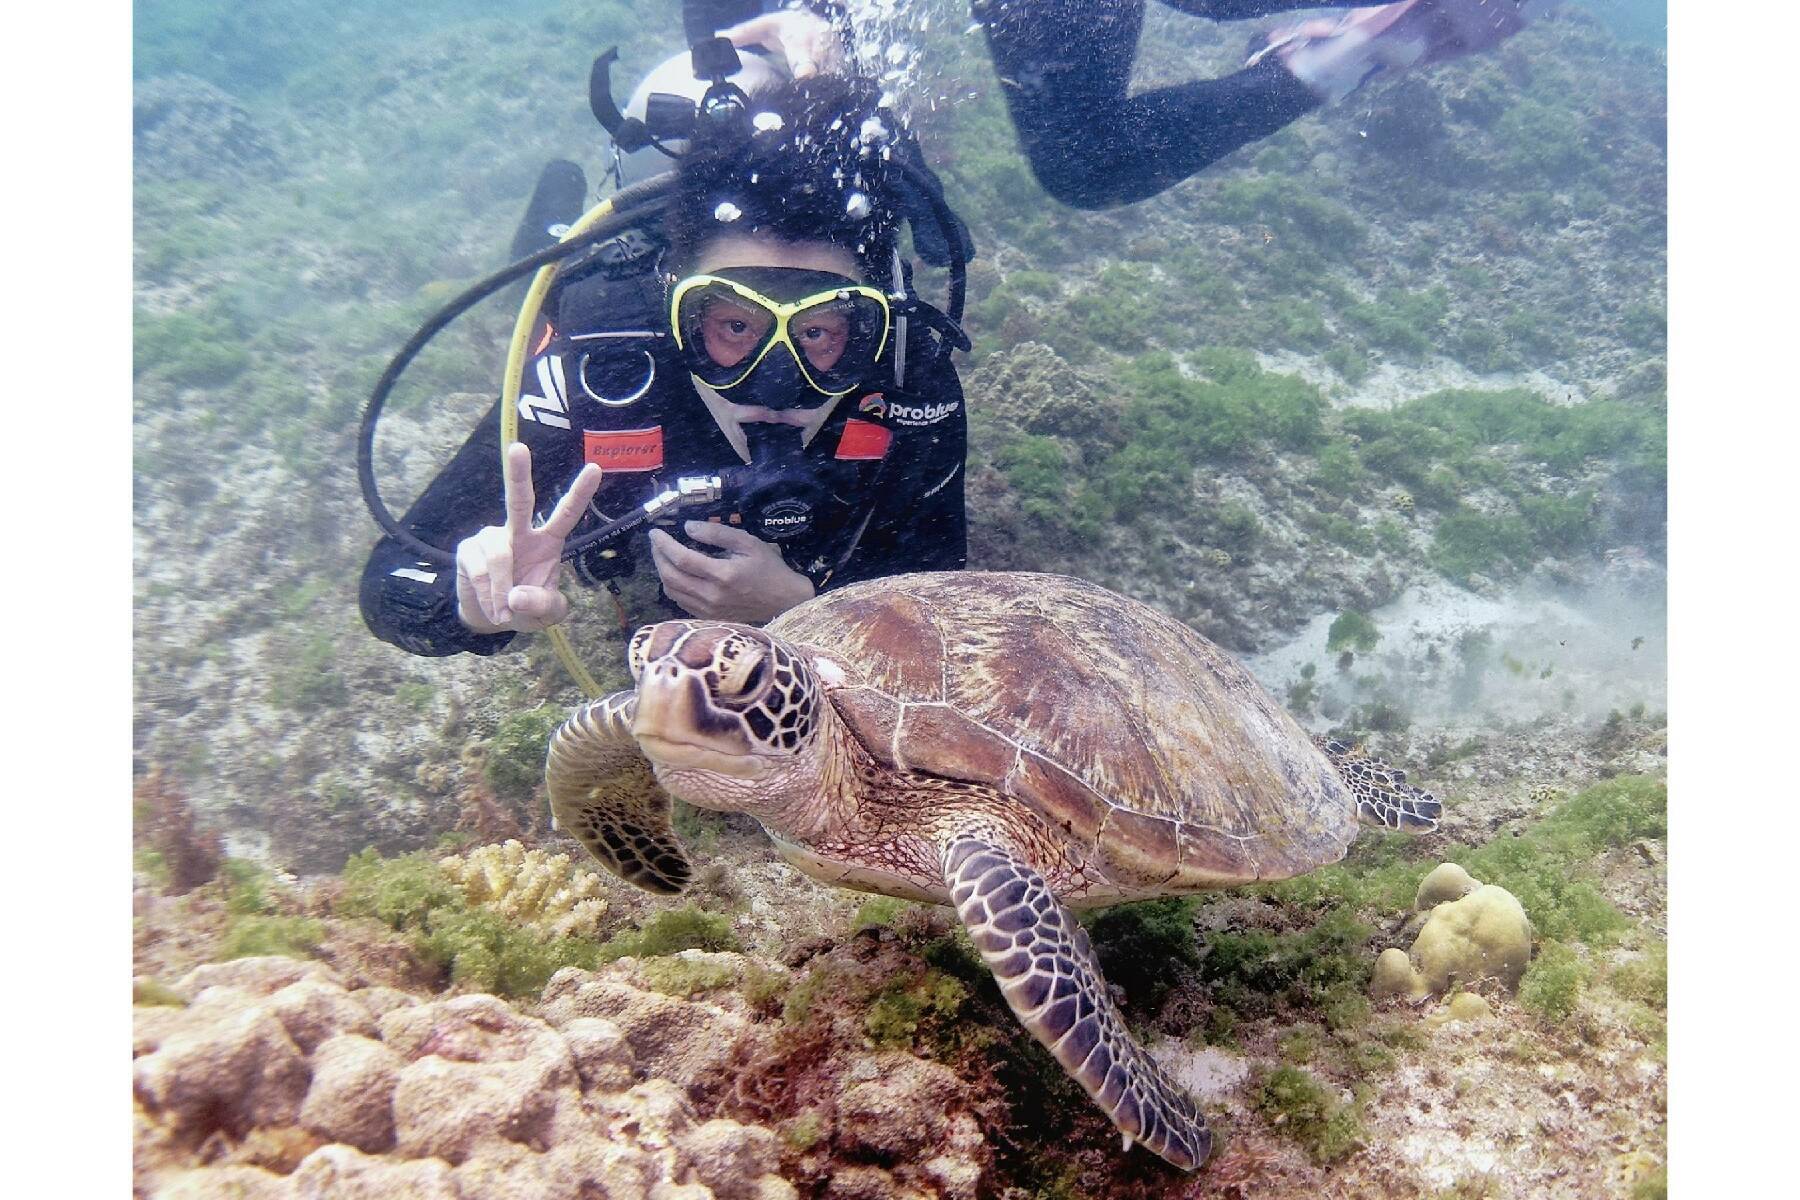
<point x="863" y="1051"/>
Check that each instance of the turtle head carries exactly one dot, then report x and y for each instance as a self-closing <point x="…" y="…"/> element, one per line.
<point x="723" y="710"/>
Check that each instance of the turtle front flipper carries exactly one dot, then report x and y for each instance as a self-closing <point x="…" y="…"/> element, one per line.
<point x="603" y="791"/>
<point x="1383" y="797"/>
<point x="1046" y="969"/>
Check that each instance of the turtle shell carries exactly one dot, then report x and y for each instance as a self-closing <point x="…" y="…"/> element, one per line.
<point x="1111" y="721"/>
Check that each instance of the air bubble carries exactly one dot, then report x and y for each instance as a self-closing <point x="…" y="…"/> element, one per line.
<point x="766" y="122"/>
<point x="727" y="212"/>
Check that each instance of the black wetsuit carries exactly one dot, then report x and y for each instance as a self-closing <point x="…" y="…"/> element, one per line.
<point x="1065" y="67"/>
<point x="890" y="460"/>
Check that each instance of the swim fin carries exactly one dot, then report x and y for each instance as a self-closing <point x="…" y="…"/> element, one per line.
<point x="559" y="199"/>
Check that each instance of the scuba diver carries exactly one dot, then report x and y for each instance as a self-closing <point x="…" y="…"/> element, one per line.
<point x="1065" y="68"/>
<point x="758" y="350"/>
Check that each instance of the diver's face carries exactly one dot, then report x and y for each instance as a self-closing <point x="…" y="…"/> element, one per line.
<point x="730" y="331"/>
<point x="732" y="328"/>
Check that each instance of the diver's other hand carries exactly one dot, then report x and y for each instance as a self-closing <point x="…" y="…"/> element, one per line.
<point x="1334" y="56"/>
<point x="750" y="582"/>
<point x="808" y="42"/>
<point x="506" y="574"/>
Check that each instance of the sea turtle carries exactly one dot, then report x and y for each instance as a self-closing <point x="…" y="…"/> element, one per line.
<point x="1010" y="744"/>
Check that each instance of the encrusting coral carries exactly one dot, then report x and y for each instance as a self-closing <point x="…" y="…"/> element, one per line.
<point x="545" y="892"/>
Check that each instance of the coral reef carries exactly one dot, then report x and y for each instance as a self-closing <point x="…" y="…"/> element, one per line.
<point x="277" y="1081"/>
<point x="1485" y="935"/>
<point x="1472" y="933"/>
<point x="183" y="127"/>
<point x="542" y="891"/>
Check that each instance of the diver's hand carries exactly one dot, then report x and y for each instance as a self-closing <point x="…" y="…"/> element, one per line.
<point x="506" y="574"/>
<point x="1334" y="56"/>
<point x="809" y="43"/>
<point x="750" y="582"/>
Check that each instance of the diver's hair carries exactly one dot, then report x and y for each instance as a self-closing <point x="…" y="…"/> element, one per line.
<point x="815" y="168"/>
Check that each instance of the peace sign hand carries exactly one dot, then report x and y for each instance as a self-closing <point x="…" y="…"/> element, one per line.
<point x="506" y="574"/>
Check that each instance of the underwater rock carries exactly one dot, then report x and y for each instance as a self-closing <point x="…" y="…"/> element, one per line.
<point x="465" y="1096"/>
<point x="601" y="1057"/>
<point x="227" y="1183"/>
<point x="260" y="976"/>
<point x="345" y="1173"/>
<point x="1032" y="389"/>
<point x="690" y="1042"/>
<point x="731" y="1158"/>
<point x="312" y="1010"/>
<point x="479" y="1070"/>
<point x="352" y="1095"/>
<point x="227" y="1062"/>
<point x="895" y="1106"/>
<point x="184" y="127"/>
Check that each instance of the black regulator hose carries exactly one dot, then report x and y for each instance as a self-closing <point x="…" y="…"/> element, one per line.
<point x="629" y="207"/>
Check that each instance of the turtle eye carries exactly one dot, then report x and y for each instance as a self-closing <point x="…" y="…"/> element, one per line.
<point x="742" y="676"/>
<point x="638" y="652"/>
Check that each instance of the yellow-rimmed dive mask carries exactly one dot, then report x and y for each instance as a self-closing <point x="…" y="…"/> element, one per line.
<point x="728" y="324"/>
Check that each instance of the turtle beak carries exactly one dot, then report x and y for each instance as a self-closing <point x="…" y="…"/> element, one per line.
<point x="676" y="727"/>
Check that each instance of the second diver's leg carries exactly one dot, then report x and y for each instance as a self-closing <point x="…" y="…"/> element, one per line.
<point x="1065" y="68"/>
<point x="1240" y="10"/>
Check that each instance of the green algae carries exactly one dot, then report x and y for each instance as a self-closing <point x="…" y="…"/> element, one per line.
<point x="1147" y="948"/>
<point x="672" y="929"/>
<point x="1549" y="866"/>
<point x="1352" y="630"/>
<point x="1644" y="979"/>
<point x="484" y="951"/>
<point x="256" y="936"/>
<point x="803" y="1132"/>
<point x="687" y="977"/>
<point x="898" y="1010"/>
<point x="156" y="993"/>
<point x="1554" y="982"/>
<point x="1258" y="971"/>
<point x="1295" y="1102"/>
<point x="515" y="754"/>
<point x="878" y="912"/>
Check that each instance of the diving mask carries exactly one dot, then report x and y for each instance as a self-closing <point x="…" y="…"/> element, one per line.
<point x="728" y="326"/>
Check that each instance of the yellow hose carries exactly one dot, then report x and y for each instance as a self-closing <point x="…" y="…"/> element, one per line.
<point x="511" y="386"/>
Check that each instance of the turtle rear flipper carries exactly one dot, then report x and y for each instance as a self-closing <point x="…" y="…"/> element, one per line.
<point x="603" y="791"/>
<point x="1383" y="797"/>
<point x="1046" y="969"/>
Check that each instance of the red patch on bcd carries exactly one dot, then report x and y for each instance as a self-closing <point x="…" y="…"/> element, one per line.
<point x="624" y="449"/>
<point x="863" y="440"/>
